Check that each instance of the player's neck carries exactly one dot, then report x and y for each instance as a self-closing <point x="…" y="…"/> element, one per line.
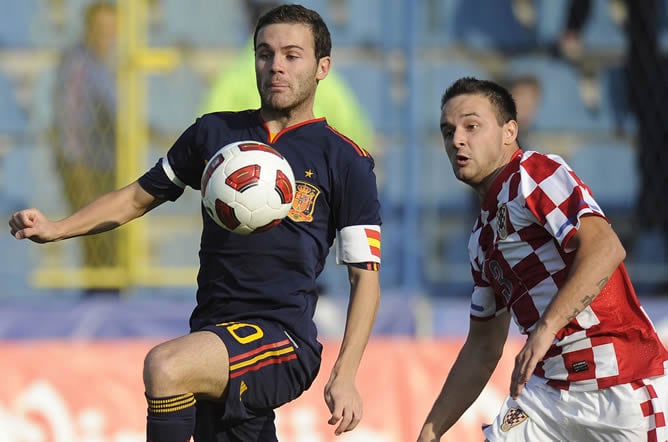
<point x="278" y="120"/>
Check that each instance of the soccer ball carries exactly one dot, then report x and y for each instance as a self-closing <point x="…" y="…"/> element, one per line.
<point x="247" y="187"/>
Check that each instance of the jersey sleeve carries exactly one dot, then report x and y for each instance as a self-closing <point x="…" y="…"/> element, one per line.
<point x="357" y="214"/>
<point x="182" y="166"/>
<point x="556" y="196"/>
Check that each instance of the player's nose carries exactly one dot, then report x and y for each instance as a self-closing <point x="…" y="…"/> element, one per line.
<point x="277" y="64"/>
<point x="458" y="138"/>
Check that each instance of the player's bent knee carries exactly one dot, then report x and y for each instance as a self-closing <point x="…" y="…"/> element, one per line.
<point x="196" y="363"/>
<point x="163" y="371"/>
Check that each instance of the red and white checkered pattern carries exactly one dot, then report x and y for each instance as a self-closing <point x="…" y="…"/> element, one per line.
<point x="520" y="257"/>
<point x="653" y="408"/>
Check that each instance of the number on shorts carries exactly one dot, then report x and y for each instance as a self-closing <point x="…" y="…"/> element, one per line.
<point x="232" y="328"/>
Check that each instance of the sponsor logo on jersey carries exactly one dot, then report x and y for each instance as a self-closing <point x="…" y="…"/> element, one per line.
<point x="502" y="221"/>
<point x="303" y="205"/>
<point x="580" y="366"/>
<point x="513" y="417"/>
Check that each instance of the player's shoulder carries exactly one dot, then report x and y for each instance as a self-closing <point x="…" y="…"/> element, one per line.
<point x="347" y="146"/>
<point x="230" y="118"/>
<point x="533" y="162"/>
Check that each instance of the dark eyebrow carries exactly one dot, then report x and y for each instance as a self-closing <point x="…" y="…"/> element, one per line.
<point x="468" y="114"/>
<point x="292" y="47"/>
<point x="284" y="48"/>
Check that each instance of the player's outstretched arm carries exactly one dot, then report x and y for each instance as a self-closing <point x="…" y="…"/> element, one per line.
<point x="105" y="213"/>
<point x="469" y="374"/>
<point x="341" y="395"/>
<point x="598" y="254"/>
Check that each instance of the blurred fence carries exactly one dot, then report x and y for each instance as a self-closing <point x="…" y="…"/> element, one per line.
<point x="397" y="56"/>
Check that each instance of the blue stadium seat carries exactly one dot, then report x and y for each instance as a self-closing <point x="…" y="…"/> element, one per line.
<point x="609" y="169"/>
<point x="432" y="78"/>
<point x="438" y="187"/>
<point x="362" y="23"/>
<point x="436" y="23"/>
<point x="173" y="99"/>
<point x="433" y="187"/>
<point x="202" y="23"/>
<point x="41" y="108"/>
<point x="17" y="23"/>
<point x="15" y="268"/>
<point x="370" y="82"/>
<point x="550" y="20"/>
<point x="562" y="107"/>
<point x="490" y="24"/>
<point x="13" y="120"/>
<point x="392" y="182"/>
<point x="600" y="33"/>
<point x="614" y="96"/>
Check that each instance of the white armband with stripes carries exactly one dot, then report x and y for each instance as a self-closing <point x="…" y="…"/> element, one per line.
<point x="358" y="244"/>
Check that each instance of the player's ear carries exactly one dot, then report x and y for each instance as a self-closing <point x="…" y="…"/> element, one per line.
<point x="510" y="130"/>
<point x="323" y="68"/>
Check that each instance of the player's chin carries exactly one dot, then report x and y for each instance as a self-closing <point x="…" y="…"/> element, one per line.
<point x="276" y="103"/>
<point x="462" y="176"/>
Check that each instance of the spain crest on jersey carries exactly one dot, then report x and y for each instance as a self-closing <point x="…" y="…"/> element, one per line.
<point x="303" y="204"/>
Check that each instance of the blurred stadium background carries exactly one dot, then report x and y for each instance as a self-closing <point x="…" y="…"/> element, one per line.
<point x="398" y="56"/>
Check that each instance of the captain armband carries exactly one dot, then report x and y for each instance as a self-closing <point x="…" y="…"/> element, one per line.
<point x="359" y="246"/>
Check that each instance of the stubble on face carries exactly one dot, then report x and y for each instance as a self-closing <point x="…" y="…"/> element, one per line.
<point x="286" y="69"/>
<point x="475" y="145"/>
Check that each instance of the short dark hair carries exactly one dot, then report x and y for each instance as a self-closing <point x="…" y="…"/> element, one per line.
<point x="322" y="41"/>
<point x="497" y="95"/>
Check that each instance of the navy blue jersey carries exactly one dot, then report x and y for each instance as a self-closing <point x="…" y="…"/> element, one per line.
<point x="271" y="274"/>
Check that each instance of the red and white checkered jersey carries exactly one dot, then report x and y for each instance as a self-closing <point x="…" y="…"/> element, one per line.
<point x="520" y="258"/>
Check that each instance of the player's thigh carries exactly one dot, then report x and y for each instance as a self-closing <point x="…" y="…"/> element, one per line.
<point x="196" y="363"/>
<point x="268" y="367"/>
<point x="514" y="425"/>
<point x="531" y="417"/>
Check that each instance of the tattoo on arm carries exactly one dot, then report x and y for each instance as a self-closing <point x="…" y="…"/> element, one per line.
<point x="588" y="299"/>
<point x="602" y="283"/>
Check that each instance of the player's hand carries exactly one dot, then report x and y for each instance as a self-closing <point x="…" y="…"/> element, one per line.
<point x="344" y="403"/>
<point x="33" y="225"/>
<point x="526" y="360"/>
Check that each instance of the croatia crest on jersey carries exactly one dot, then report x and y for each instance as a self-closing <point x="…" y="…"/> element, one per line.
<point x="512" y="418"/>
<point x="502" y="221"/>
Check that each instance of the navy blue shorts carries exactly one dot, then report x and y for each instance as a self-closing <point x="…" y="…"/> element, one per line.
<point x="268" y="368"/>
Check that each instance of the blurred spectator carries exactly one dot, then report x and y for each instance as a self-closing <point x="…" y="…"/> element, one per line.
<point x="234" y="89"/>
<point x="646" y="72"/>
<point x="84" y="136"/>
<point x="527" y="92"/>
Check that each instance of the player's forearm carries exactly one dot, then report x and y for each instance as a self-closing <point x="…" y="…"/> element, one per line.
<point x="466" y="380"/>
<point x="598" y="255"/>
<point x="362" y="308"/>
<point x="468" y="376"/>
<point x="106" y="212"/>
